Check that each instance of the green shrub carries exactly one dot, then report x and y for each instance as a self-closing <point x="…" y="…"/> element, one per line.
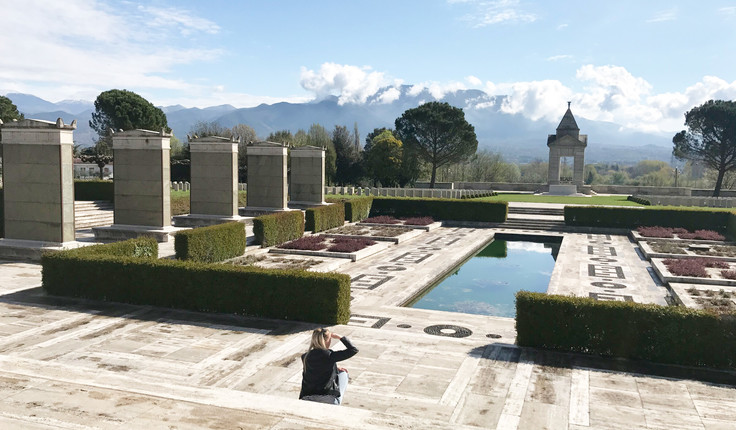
<point x="358" y="209"/>
<point x="211" y="244"/>
<point x="275" y="229"/>
<point x="441" y="209"/>
<point x="664" y="334"/>
<point x="285" y="294"/>
<point x="324" y="217"/>
<point x="731" y="227"/>
<point x="144" y="247"/>
<point x="630" y="218"/>
<point x="94" y="190"/>
<point x="640" y="200"/>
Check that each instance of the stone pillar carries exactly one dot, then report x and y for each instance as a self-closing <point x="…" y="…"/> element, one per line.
<point x="38" y="178"/>
<point x="578" y="167"/>
<point x="267" y="185"/>
<point x="214" y="187"/>
<point x="308" y="176"/>
<point x="553" y="169"/>
<point x="142" y="186"/>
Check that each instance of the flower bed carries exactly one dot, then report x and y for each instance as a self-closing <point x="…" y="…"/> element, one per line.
<point x="385" y="219"/>
<point x="321" y="242"/>
<point x="720" y="302"/>
<point x="669" y="233"/>
<point x="693" y="266"/>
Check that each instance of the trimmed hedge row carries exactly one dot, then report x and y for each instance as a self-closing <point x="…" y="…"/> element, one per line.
<point x="275" y="229"/>
<point x="324" y="217"/>
<point x="358" y="209"/>
<point x="284" y="294"/>
<point x="211" y="244"/>
<point x="630" y="218"/>
<point x="665" y="334"/>
<point x="94" y="190"/>
<point x="640" y="200"/>
<point x="143" y="247"/>
<point x="441" y="209"/>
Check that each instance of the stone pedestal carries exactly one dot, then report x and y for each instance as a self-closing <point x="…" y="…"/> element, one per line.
<point x="142" y="186"/>
<point x="267" y="184"/>
<point x="307" y="186"/>
<point x="214" y="183"/>
<point x="38" y="180"/>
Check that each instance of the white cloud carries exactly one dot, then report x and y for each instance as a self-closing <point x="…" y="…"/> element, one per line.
<point x="562" y="26"/>
<point x="559" y="57"/>
<point x="664" y="15"/>
<point x="87" y="46"/>
<point x="496" y="12"/>
<point x="729" y="11"/>
<point x="474" y="81"/>
<point x="351" y="84"/>
<point x="611" y="94"/>
<point x="390" y="95"/>
<point x="415" y="90"/>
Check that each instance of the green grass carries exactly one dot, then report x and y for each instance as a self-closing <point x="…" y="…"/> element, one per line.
<point x="180" y="201"/>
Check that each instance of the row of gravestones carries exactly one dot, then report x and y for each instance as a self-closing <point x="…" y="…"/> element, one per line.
<point x="39" y="184"/>
<point x="406" y="192"/>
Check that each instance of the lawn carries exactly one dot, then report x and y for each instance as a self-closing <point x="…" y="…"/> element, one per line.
<point x="180" y="201"/>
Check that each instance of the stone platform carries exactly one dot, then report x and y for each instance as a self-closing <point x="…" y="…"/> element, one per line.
<point x="67" y="363"/>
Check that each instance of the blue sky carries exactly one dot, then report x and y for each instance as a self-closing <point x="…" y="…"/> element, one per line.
<point x="640" y="64"/>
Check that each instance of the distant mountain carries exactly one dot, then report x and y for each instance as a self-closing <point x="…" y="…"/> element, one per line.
<point x="516" y="137"/>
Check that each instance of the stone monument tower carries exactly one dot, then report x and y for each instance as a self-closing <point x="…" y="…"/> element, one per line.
<point x="567" y="142"/>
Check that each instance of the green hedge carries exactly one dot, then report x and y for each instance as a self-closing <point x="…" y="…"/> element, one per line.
<point x="143" y="247"/>
<point x="358" y="209"/>
<point x="211" y="244"/>
<point x="275" y="229"/>
<point x="664" y="334"/>
<point x="322" y="298"/>
<point x="94" y="190"/>
<point x="619" y="217"/>
<point x="640" y="200"/>
<point x="731" y="226"/>
<point x="441" y="209"/>
<point x="324" y="217"/>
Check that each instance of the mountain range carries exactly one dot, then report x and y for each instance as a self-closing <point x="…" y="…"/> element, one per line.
<point x="516" y="137"/>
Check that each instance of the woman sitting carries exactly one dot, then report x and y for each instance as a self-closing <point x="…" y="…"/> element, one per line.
<point x="322" y="380"/>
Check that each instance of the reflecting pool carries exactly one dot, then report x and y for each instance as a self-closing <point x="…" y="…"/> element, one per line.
<point x="486" y="283"/>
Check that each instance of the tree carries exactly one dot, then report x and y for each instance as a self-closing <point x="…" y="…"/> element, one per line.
<point x="8" y="110"/>
<point x="384" y="159"/>
<point x="439" y="133"/>
<point x="319" y="137"/>
<point x="710" y="138"/>
<point x="100" y="154"/>
<point x="209" y="128"/>
<point x="346" y="157"/>
<point x="372" y="135"/>
<point x="281" y="136"/>
<point x="125" y="110"/>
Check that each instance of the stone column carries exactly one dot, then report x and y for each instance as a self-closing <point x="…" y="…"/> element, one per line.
<point x="142" y="186"/>
<point x="308" y="176"/>
<point x="214" y="187"/>
<point x="578" y="167"/>
<point x="267" y="185"/>
<point x="553" y="169"/>
<point x="38" y="178"/>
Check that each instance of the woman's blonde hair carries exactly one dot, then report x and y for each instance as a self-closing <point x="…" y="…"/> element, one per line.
<point x="320" y="336"/>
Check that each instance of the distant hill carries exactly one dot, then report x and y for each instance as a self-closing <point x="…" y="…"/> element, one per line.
<point x="516" y="137"/>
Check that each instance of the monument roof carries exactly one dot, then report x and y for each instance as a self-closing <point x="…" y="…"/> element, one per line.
<point x="568" y="121"/>
<point x="40" y="123"/>
<point x="266" y="143"/>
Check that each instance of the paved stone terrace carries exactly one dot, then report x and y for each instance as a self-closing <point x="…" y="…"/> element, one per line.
<point x="78" y="364"/>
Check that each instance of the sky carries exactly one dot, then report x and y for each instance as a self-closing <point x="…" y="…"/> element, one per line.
<point x="640" y="64"/>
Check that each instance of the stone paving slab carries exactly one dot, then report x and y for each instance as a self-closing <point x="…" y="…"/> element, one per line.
<point x="67" y="363"/>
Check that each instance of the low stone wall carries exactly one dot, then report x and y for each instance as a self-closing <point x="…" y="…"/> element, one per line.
<point x="646" y="191"/>
<point x="707" y="202"/>
<point x="709" y="193"/>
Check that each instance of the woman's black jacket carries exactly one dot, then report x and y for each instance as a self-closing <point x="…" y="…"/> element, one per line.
<point x="320" y="370"/>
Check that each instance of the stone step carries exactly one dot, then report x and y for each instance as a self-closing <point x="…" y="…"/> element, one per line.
<point x="89" y="214"/>
<point x="537" y="211"/>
